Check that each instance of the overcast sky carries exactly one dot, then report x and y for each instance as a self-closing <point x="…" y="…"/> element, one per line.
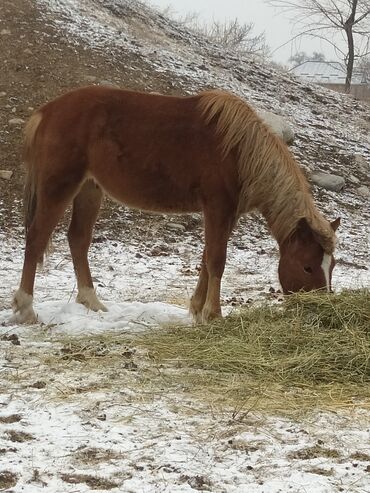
<point x="265" y="18"/>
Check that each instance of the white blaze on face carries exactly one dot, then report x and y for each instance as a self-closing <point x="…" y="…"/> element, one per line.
<point x="325" y="265"/>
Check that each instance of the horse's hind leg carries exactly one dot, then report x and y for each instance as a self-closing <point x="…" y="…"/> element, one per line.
<point x="50" y="208"/>
<point x="86" y="207"/>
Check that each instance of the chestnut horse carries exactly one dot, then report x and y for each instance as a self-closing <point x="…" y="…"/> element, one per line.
<point x="209" y="152"/>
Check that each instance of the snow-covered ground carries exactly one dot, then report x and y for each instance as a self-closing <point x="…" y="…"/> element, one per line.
<point x="154" y="281"/>
<point x="164" y="442"/>
<point x="68" y="427"/>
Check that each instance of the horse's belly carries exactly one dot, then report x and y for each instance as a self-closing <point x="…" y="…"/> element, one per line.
<point x="152" y="193"/>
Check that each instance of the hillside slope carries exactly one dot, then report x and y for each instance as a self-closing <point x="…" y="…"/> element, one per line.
<point x="49" y="46"/>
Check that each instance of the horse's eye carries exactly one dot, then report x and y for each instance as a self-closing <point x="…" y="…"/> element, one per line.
<point x="308" y="270"/>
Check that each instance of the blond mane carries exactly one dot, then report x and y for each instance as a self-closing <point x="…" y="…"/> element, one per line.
<point x="270" y="178"/>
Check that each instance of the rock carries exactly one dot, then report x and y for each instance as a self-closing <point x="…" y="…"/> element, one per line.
<point x="363" y="191"/>
<point x="2" y="94"/>
<point x="90" y="78"/>
<point x="176" y="227"/>
<point x="362" y="163"/>
<point x="353" y="179"/>
<point x="278" y="125"/>
<point x="329" y="182"/>
<point x="107" y="83"/>
<point x="16" y="121"/>
<point x="13" y="338"/>
<point x="5" y="32"/>
<point x="5" y="174"/>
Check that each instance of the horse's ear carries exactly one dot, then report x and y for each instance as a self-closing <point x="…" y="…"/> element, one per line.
<point x="325" y="237"/>
<point x="335" y="224"/>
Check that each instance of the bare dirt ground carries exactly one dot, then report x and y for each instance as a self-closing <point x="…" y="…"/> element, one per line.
<point x="39" y="63"/>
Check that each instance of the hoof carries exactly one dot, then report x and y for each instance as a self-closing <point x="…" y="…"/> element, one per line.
<point x="95" y="306"/>
<point x="205" y="316"/>
<point x="197" y="318"/>
<point x="88" y="298"/>
<point x="27" y="317"/>
<point x="22" y="308"/>
<point x="195" y="310"/>
<point x="209" y="315"/>
<point x="196" y="315"/>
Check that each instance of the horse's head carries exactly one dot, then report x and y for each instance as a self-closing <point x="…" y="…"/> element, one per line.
<point x="304" y="264"/>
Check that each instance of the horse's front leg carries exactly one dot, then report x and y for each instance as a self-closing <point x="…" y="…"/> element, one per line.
<point x="86" y="207"/>
<point x="218" y="226"/>
<point x="215" y="267"/>
<point x="200" y="294"/>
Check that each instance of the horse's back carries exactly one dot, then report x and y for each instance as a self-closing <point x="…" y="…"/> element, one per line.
<point x="150" y="151"/>
<point x="102" y="112"/>
<point x="133" y="104"/>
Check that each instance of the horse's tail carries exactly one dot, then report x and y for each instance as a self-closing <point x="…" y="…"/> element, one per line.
<point x="29" y="158"/>
<point x="30" y="197"/>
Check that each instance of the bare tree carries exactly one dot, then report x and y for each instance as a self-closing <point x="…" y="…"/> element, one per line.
<point x="233" y="35"/>
<point x="325" y="18"/>
<point x="230" y="34"/>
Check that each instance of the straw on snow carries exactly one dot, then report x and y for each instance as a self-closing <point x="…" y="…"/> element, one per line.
<point x="312" y="351"/>
<point x="315" y="348"/>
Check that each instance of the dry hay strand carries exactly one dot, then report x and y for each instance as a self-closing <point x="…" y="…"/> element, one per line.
<point x="313" y="351"/>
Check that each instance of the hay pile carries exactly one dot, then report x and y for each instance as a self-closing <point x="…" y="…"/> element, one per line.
<point x="314" y="350"/>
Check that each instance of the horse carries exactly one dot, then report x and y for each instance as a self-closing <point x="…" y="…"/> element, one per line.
<point x="208" y="153"/>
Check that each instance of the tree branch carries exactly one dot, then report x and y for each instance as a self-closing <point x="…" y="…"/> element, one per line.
<point x="312" y="17"/>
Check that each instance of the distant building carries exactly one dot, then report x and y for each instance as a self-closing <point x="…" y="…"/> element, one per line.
<point x="333" y="76"/>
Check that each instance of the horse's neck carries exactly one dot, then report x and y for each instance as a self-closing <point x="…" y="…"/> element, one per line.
<point x="283" y="211"/>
